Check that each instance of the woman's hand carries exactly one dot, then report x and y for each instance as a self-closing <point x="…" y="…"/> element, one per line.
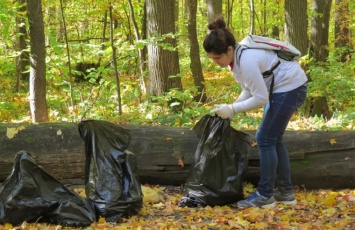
<point x="224" y="111"/>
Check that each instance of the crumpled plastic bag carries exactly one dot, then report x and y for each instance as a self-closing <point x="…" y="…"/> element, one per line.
<point x="221" y="163"/>
<point x="111" y="177"/>
<point x="30" y="194"/>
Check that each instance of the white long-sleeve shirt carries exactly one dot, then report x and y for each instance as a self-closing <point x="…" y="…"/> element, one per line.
<point x="255" y="88"/>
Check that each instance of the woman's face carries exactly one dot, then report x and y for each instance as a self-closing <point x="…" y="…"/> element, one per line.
<point x="223" y="60"/>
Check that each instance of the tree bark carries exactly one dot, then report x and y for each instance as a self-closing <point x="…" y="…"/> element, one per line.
<point x="141" y="52"/>
<point x="229" y="13"/>
<point x="342" y="31"/>
<point x="296" y="24"/>
<point x="195" y="65"/>
<point x="22" y="60"/>
<point x="252" y="17"/>
<point x="319" y="159"/>
<point x="163" y="62"/>
<point x="114" y="62"/>
<point x="214" y="9"/>
<point x="38" y="104"/>
<point x="320" y="30"/>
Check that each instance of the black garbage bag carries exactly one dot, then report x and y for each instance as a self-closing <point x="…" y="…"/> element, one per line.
<point x="30" y="194"/>
<point x="221" y="162"/>
<point x="111" y="178"/>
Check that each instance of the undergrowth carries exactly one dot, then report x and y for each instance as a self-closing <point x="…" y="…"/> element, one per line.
<point x="97" y="99"/>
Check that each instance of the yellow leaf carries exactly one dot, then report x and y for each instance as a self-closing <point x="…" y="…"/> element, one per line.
<point x="121" y="227"/>
<point x="102" y="220"/>
<point x="261" y="225"/>
<point x="248" y="188"/>
<point x="59" y="132"/>
<point x="329" y="211"/>
<point x="181" y="163"/>
<point x="285" y="217"/>
<point x="254" y="217"/>
<point x="254" y="144"/>
<point x="332" y="141"/>
<point x="213" y="224"/>
<point x="11" y="132"/>
<point x="8" y="226"/>
<point x="159" y="205"/>
<point x="80" y="191"/>
<point x="330" y="200"/>
<point x="150" y="195"/>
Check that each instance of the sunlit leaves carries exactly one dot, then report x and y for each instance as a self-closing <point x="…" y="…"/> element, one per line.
<point x="318" y="209"/>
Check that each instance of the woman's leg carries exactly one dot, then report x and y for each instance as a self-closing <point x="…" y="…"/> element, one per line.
<point x="283" y="180"/>
<point x="273" y="154"/>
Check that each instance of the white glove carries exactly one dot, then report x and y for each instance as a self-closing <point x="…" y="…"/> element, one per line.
<point x="224" y="111"/>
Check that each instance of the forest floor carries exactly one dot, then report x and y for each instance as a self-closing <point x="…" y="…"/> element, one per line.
<point x="316" y="209"/>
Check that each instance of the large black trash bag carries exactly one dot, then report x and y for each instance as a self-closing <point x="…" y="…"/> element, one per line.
<point x="111" y="178"/>
<point x="221" y="162"/>
<point x="30" y="194"/>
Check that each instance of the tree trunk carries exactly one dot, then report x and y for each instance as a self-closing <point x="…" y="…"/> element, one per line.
<point x="342" y="32"/>
<point x="252" y="17"/>
<point x="23" y="61"/>
<point x="141" y="52"/>
<point x="319" y="159"/>
<point x="229" y="13"/>
<point x="296" y="24"/>
<point x="320" y="29"/>
<point x="214" y="9"/>
<point x="317" y="106"/>
<point x="37" y="98"/>
<point x="195" y="62"/>
<point x="163" y="62"/>
<point x="51" y="12"/>
<point x="114" y="62"/>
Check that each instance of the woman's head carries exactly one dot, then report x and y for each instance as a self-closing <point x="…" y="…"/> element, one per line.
<point x="219" y="43"/>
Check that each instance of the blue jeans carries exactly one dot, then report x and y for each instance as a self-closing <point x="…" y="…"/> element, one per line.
<point x="274" y="159"/>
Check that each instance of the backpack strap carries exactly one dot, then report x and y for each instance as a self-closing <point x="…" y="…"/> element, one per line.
<point x="270" y="71"/>
<point x="238" y="52"/>
<point x="240" y="48"/>
<point x="267" y="74"/>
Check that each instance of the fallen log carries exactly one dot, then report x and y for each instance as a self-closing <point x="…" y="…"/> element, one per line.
<point x="319" y="159"/>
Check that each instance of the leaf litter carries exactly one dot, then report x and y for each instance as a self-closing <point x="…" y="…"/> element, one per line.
<point x="316" y="209"/>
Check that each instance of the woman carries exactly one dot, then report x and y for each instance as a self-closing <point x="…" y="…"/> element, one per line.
<point x="289" y="92"/>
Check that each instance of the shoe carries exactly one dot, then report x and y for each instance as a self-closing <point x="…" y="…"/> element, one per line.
<point x="285" y="198"/>
<point x="257" y="200"/>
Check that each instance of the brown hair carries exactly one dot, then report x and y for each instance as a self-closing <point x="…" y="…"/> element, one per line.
<point x="219" y="38"/>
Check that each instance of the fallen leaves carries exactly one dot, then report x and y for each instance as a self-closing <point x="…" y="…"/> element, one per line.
<point x="319" y="209"/>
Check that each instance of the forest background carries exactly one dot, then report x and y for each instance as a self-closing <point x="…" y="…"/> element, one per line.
<point x="142" y="62"/>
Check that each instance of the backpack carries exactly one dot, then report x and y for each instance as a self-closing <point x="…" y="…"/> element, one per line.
<point x="283" y="50"/>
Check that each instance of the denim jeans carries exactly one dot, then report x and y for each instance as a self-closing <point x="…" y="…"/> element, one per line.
<point x="274" y="159"/>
